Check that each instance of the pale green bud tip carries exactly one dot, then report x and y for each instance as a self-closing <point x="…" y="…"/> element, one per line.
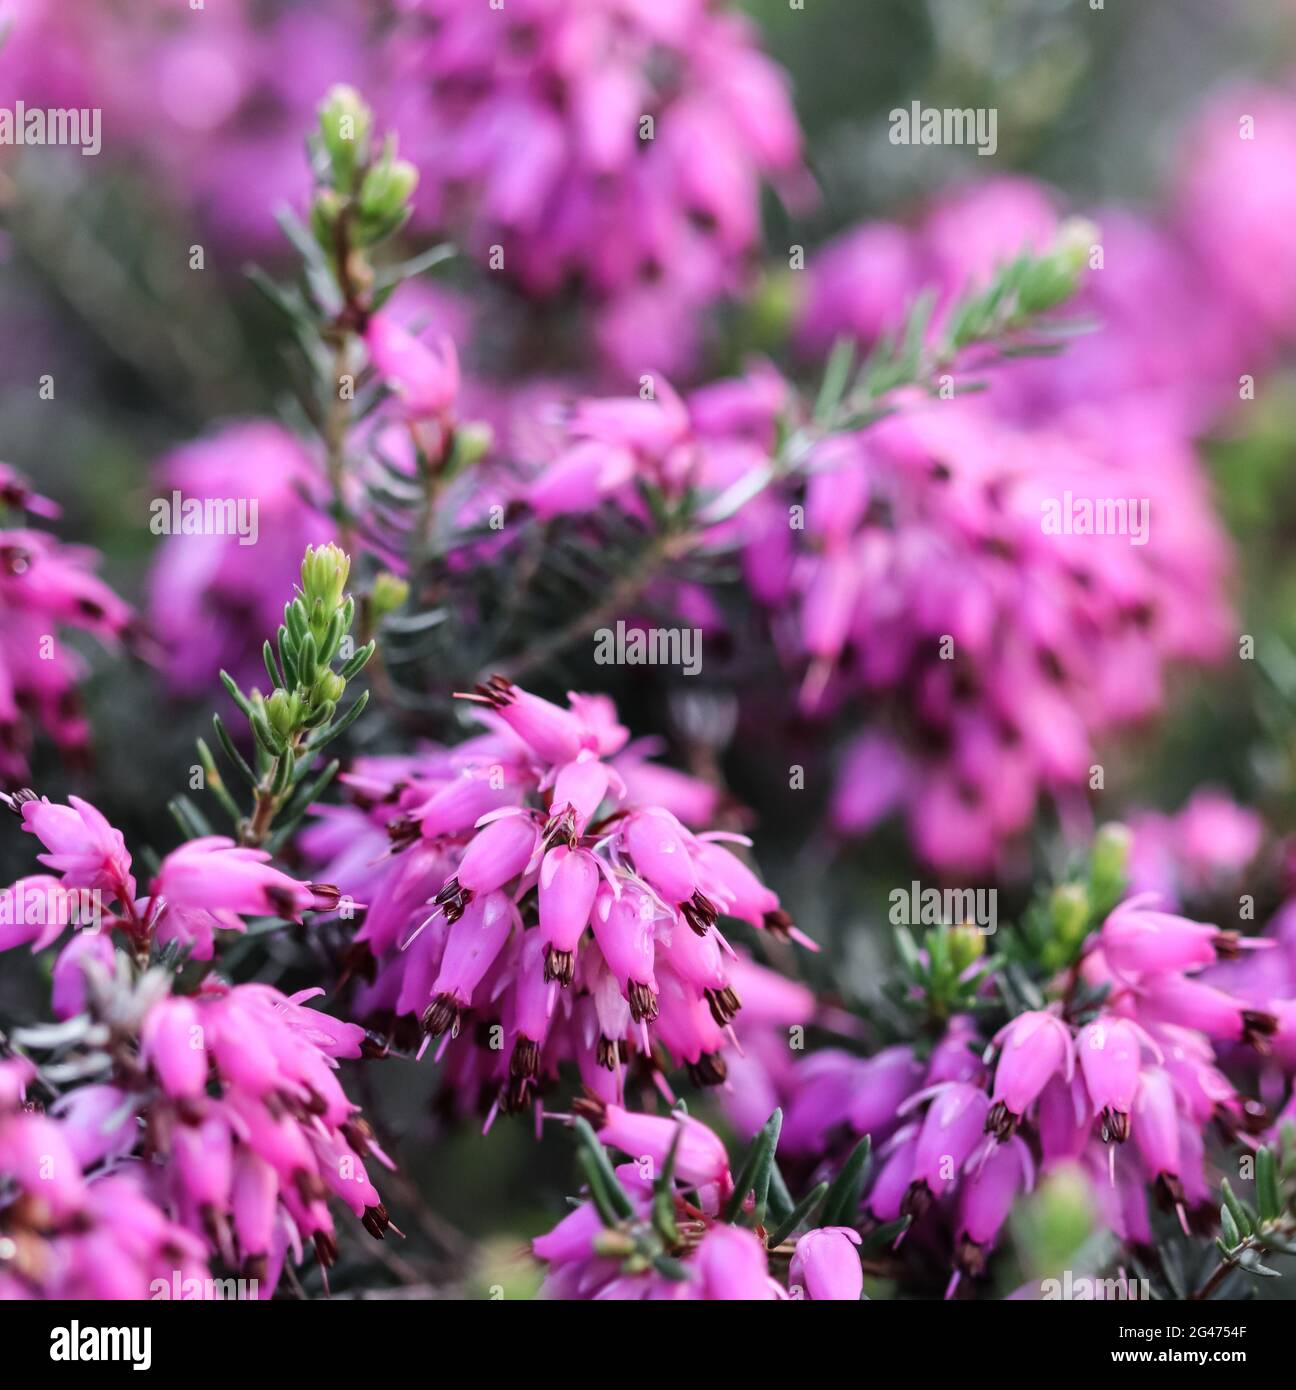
<point x="473" y="442"/>
<point x="1069" y="911"/>
<point x="387" y="188"/>
<point x="281" y="710"/>
<point x="967" y="944"/>
<point x="329" y="687"/>
<point x="345" y="122"/>
<point x="1076" y="237"/>
<point x="1111" y="850"/>
<point x="344" y="116"/>
<point x="324" y="575"/>
<point x="389" y="594"/>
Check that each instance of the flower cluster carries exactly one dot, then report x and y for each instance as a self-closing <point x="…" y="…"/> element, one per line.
<point x="609" y="144"/>
<point x="212" y="100"/>
<point x="943" y="565"/>
<point x="45" y="587"/>
<point x="76" y="1222"/>
<point x="223" y="1119"/>
<point x="207" y="885"/>
<point x="1119" y="1077"/>
<point x="219" y="1137"/>
<point x="666" y="1226"/>
<point x="544" y="881"/>
<point x="980" y="567"/>
<point x="250" y="1124"/>
<point x="217" y="588"/>
<point x="1201" y="850"/>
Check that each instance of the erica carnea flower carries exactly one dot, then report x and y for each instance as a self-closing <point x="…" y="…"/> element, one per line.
<point x="261" y="1134"/>
<point x="77" y="1219"/>
<point x="670" y="1224"/>
<point x="1201" y="849"/>
<point x="46" y="588"/>
<point x="81" y="846"/>
<point x="1032" y="1049"/>
<point x="548" y="162"/>
<point x="204" y="886"/>
<point x="1041" y="635"/>
<point x="826" y="1265"/>
<point x="235" y="513"/>
<point x="219" y="1122"/>
<point x="517" y="891"/>
<point x="1123" y="1073"/>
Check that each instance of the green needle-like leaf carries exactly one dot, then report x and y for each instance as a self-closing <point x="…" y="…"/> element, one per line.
<point x="754" y="1175"/>
<point x="842" y="1206"/>
<point x="610" y="1183"/>
<point x="799" y="1213"/>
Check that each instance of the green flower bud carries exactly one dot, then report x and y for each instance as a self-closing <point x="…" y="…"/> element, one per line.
<point x="282" y="710"/>
<point x="966" y="944"/>
<point x="345" y="123"/>
<point x="386" y="190"/>
<point x="1054" y="278"/>
<point x="328" y="689"/>
<point x="389" y="594"/>
<point x="471" y="443"/>
<point x="325" y="211"/>
<point x="1069" y="916"/>
<point x="324" y="574"/>
<point x="1108" y="865"/>
<point x="614" y="1244"/>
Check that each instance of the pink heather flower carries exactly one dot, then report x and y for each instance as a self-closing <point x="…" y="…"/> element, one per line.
<point x="1033" y="1048"/>
<point x="732" y="1266"/>
<point x="424" y="379"/>
<point x="35" y="911"/>
<point x="1064" y="1117"/>
<point x="554" y="734"/>
<point x="1137" y="940"/>
<point x="250" y="1075"/>
<point x="172" y="1043"/>
<point x="574" y="1237"/>
<point x="1233" y="193"/>
<point x="99" y="1123"/>
<point x="233" y="99"/>
<point x="951" y="1130"/>
<point x="45" y="587"/>
<point x="1109" y="1049"/>
<point x="1156" y="1130"/>
<point x="497" y="853"/>
<point x="826" y="1265"/>
<point x="1202" y="1007"/>
<point x="81" y="846"/>
<point x="890" y="1189"/>
<point x="569" y="879"/>
<point x="247" y="1133"/>
<point x="1199" y="850"/>
<point x="985" y="1200"/>
<point x="967" y="747"/>
<point x="700" y="1161"/>
<point x="86" y="951"/>
<point x="471" y="947"/>
<point x="720" y="1262"/>
<point x="596" y="962"/>
<point x="211" y="883"/>
<point x="624" y="930"/>
<point x="213" y="597"/>
<point x="36" y="1155"/>
<point x="547" y="158"/>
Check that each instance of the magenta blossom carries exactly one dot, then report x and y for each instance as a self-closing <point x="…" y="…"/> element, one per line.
<point x="515" y="880"/>
<point x="544" y="167"/>
<point x="826" y="1265"/>
<point x="45" y="588"/>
